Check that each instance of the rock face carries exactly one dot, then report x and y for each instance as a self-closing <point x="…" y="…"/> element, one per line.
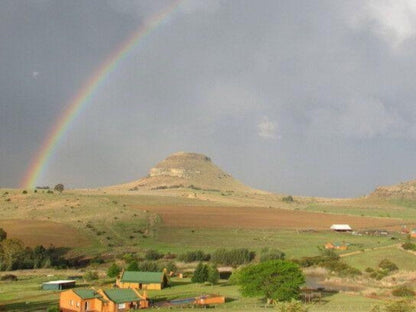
<point x="189" y="170"/>
<point x="405" y="190"/>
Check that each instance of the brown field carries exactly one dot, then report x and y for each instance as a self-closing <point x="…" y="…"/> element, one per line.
<point x="255" y="218"/>
<point x="35" y="232"/>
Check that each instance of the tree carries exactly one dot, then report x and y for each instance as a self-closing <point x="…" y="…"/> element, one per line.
<point x="200" y="273"/>
<point x="3" y="234"/>
<point x="12" y="254"/>
<point x="275" y="279"/>
<point x="114" y="270"/>
<point x="59" y="188"/>
<point x="213" y="274"/>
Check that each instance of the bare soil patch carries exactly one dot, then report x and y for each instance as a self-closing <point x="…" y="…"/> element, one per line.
<point x="255" y="218"/>
<point x="36" y="232"/>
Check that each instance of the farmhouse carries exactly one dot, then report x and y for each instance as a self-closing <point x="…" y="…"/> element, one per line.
<point x="142" y="280"/>
<point x="58" y="285"/>
<point x="341" y="227"/>
<point x="110" y="300"/>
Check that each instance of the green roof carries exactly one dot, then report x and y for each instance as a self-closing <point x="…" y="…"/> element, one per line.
<point x="120" y="295"/>
<point x="87" y="293"/>
<point x="142" y="277"/>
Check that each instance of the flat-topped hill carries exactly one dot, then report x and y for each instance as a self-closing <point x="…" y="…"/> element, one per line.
<point x="405" y="190"/>
<point x="187" y="170"/>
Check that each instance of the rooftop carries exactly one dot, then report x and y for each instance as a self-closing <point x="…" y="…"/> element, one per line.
<point x="142" y="277"/>
<point x="120" y="295"/>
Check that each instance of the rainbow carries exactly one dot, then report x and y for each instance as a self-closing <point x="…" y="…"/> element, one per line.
<point x="87" y="91"/>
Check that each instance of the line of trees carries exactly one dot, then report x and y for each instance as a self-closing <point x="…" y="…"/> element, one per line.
<point x="14" y="255"/>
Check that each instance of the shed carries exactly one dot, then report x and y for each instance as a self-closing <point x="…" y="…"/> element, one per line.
<point x="142" y="280"/>
<point x="58" y="285"/>
<point x="341" y="227"/>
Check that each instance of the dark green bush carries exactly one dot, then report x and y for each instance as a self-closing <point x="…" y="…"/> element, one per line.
<point x="152" y="254"/>
<point x="273" y="254"/>
<point x="387" y="265"/>
<point x="409" y="246"/>
<point x="288" y="199"/>
<point x="192" y="256"/>
<point x="90" y="276"/>
<point x="232" y="257"/>
<point x="403" y="291"/>
<point x="114" y="270"/>
<point x="8" y="277"/>
<point x="150" y="266"/>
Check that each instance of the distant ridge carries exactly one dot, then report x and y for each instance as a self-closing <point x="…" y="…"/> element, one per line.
<point x="187" y="170"/>
<point x="404" y="190"/>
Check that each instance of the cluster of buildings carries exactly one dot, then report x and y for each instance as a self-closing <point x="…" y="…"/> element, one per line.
<point x="124" y="297"/>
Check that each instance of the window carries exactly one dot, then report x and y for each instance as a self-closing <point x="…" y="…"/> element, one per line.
<point x="121" y="305"/>
<point x="71" y="302"/>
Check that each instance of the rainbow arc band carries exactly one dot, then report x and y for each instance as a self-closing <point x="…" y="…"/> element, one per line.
<point x="87" y="91"/>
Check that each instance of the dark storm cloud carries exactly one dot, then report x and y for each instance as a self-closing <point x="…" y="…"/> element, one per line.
<point x="302" y="97"/>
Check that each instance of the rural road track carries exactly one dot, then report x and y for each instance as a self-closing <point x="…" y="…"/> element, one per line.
<point x="369" y="249"/>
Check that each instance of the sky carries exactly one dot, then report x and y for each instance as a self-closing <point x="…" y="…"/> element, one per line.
<point x="299" y="97"/>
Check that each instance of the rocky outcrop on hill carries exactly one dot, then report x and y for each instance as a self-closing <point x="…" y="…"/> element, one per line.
<point x="405" y="190"/>
<point x="188" y="170"/>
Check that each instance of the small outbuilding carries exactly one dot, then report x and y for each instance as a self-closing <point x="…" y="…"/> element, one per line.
<point x="341" y="227"/>
<point x="58" y="285"/>
<point x="142" y="280"/>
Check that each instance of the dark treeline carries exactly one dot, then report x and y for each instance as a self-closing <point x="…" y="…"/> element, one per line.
<point x="14" y="255"/>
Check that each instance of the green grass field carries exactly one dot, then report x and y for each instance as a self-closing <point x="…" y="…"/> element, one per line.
<point x="371" y="258"/>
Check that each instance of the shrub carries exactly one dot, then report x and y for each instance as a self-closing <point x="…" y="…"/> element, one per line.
<point x="409" y="246"/>
<point x="192" y="256"/>
<point x="53" y="309"/>
<point x="114" y="270"/>
<point x="291" y="306"/>
<point x="288" y="199"/>
<point x="399" y="306"/>
<point x="403" y="291"/>
<point x="170" y="266"/>
<point x="233" y="257"/>
<point x="24" y="192"/>
<point x="149" y="266"/>
<point x="273" y="254"/>
<point x="9" y="277"/>
<point x="387" y="265"/>
<point x="152" y="254"/>
<point x="133" y="266"/>
<point x="90" y="276"/>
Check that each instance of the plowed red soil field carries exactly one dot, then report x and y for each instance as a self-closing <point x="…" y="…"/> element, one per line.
<point x="252" y="218"/>
<point x="36" y="232"/>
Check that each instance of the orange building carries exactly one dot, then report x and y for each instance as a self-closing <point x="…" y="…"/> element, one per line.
<point x="336" y="245"/>
<point x="110" y="300"/>
<point x="142" y="280"/>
